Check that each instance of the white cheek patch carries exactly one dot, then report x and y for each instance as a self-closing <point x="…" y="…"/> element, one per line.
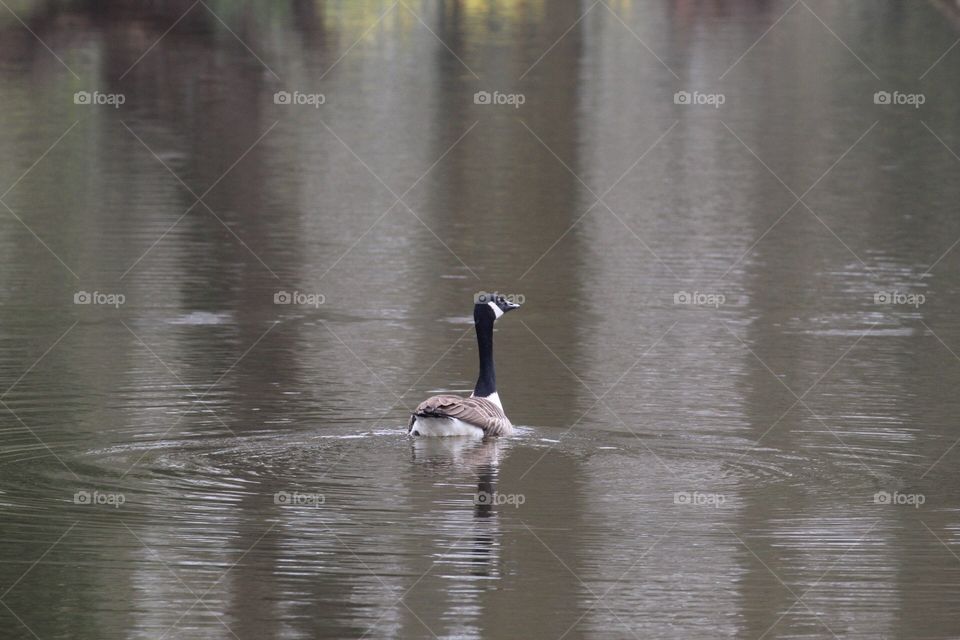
<point x="496" y="310"/>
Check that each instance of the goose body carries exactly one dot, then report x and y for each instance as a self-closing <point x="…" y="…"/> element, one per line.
<point x="481" y="414"/>
<point x="457" y="416"/>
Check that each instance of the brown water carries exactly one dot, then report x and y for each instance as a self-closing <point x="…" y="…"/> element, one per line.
<point x="680" y="470"/>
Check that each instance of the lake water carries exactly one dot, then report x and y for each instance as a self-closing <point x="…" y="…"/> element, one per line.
<point x="240" y="242"/>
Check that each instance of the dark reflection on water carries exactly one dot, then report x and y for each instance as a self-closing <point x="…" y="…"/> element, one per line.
<point x="682" y="470"/>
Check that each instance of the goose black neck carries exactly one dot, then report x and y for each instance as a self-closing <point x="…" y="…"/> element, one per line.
<point x="487" y="380"/>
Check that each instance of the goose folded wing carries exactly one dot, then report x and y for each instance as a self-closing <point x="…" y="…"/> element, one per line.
<point x="477" y="411"/>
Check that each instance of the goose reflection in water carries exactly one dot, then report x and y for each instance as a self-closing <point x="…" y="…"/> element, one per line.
<point x="481" y="459"/>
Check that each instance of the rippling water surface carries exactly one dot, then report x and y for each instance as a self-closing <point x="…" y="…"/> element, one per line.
<point x="773" y="459"/>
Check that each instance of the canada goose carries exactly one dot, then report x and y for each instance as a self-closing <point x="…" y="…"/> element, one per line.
<point x="481" y="414"/>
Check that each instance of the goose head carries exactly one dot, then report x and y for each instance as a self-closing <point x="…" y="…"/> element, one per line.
<point x="493" y="304"/>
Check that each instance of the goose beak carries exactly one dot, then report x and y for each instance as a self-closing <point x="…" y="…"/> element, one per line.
<point x="510" y="306"/>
